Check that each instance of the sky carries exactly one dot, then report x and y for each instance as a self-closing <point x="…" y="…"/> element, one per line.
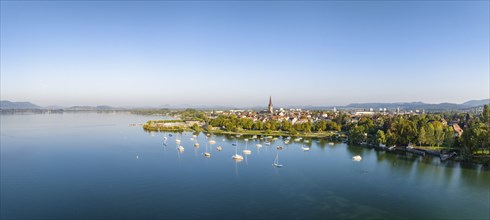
<point x="153" y="53"/>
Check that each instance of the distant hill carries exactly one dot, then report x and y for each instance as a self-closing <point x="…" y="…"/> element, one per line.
<point x="4" y="104"/>
<point x="92" y="108"/>
<point x="420" y="105"/>
<point x="475" y="103"/>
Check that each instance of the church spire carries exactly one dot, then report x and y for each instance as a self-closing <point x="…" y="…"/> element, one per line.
<point x="270" y="105"/>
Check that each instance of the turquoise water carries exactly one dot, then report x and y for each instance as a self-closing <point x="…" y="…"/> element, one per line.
<point x="90" y="165"/>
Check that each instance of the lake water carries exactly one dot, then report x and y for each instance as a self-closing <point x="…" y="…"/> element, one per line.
<point x="93" y="165"/>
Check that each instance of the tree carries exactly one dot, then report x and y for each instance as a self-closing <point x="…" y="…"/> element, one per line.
<point x="286" y="125"/>
<point x="357" y="135"/>
<point x="429" y="135"/>
<point x="293" y="131"/>
<point x="438" y="133"/>
<point x="449" y="137"/>
<point x="258" y="125"/>
<point x="307" y="126"/>
<point x="380" y="137"/>
<point x="321" y="125"/>
<point x="196" y="127"/>
<point x="422" y="135"/>
<point x="390" y="138"/>
<point x="486" y="114"/>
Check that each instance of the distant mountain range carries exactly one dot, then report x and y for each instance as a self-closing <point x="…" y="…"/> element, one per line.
<point x="402" y="105"/>
<point x="420" y="105"/>
<point x="17" y="105"/>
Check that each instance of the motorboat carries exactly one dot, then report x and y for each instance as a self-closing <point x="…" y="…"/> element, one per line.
<point x="357" y="158"/>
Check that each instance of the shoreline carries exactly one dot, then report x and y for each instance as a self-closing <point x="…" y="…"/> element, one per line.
<point x="423" y="151"/>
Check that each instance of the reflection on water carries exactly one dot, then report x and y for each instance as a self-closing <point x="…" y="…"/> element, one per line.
<point x="69" y="166"/>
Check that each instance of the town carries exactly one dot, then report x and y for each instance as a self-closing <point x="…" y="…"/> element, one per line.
<point x="466" y="133"/>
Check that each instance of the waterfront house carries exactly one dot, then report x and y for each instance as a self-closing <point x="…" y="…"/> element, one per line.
<point x="457" y="130"/>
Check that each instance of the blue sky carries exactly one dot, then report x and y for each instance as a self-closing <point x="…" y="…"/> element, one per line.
<point x="128" y="53"/>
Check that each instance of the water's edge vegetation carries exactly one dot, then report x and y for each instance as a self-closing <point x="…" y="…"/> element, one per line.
<point x="458" y="136"/>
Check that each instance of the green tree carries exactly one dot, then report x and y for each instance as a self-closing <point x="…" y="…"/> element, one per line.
<point x="486" y="114"/>
<point x="449" y="137"/>
<point x="422" y="135"/>
<point x="357" y="135"/>
<point x="390" y="138"/>
<point x="438" y="133"/>
<point x="258" y="125"/>
<point x="321" y="125"/>
<point x="286" y="125"/>
<point x="380" y="137"/>
<point x="196" y="127"/>
<point x="429" y="135"/>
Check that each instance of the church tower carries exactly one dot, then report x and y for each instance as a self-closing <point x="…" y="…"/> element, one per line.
<point x="270" y="105"/>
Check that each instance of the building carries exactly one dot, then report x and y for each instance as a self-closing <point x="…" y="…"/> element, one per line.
<point x="457" y="130"/>
<point x="270" y="105"/>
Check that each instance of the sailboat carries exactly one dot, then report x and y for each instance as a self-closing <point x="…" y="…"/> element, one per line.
<point x="305" y="148"/>
<point x="207" y="154"/>
<point x="276" y="162"/>
<point x="177" y="140"/>
<point x="237" y="156"/>
<point x="247" y="151"/>
<point x="180" y="148"/>
<point x="196" y="144"/>
<point x="219" y="148"/>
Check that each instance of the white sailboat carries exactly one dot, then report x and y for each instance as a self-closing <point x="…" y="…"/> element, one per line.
<point x="305" y="148"/>
<point x="177" y="140"/>
<point x="206" y="153"/>
<point x="219" y="148"/>
<point x="237" y="156"/>
<point x="247" y="151"/>
<point x="180" y="148"/>
<point x="276" y="162"/>
<point x="258" y="145"/>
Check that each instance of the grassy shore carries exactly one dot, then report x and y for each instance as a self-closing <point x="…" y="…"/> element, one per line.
<point x="276" y="133"/>
<point x="438" y="148"/>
